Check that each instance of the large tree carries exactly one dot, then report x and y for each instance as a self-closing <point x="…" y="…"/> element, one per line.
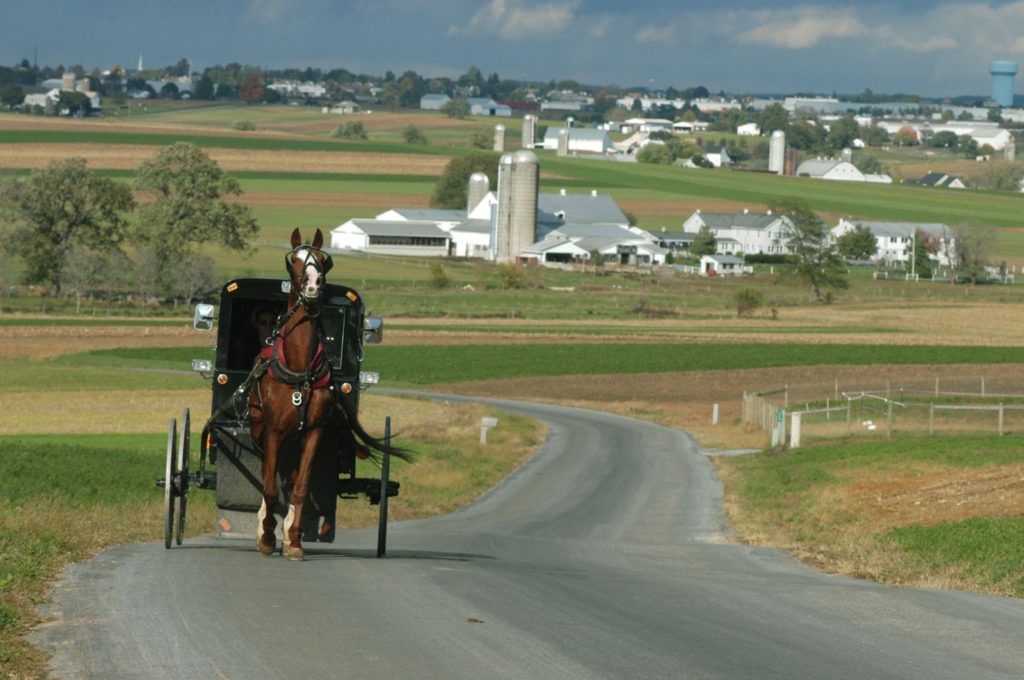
<point x="704" y="242"/>
<point x="817" y="258"/>
<point x="857" y="244"/>
<point x="188" y="206"/>
<point x="773" y="117"/>
<point x="452" y="189"/>
<point x="61" y="206"/>
<point x="972" y="250"/>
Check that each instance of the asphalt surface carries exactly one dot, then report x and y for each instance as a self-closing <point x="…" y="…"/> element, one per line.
<point x="603" y="557"/>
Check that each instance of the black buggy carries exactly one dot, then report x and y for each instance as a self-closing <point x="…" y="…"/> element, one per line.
<point x="226" y="443"/>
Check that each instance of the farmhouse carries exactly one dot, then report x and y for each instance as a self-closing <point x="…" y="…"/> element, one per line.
<point x="938" y="179"/>
<point x="895" y="240"/>
<point x="744" y="233"/>
<point x="839" y="170"/>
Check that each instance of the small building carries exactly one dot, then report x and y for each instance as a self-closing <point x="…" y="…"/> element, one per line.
<point x="838" y="170"/>
<point x="749" y="130"/>
<point x="434" y="102"/>
<point x="485" y="106"/>
<point x="393" y="238"/>
<point x="581" y="140"/>
<point x="722" y="265"/>
<point x="938" y="179"/>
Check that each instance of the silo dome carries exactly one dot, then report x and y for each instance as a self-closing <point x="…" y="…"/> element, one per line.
<point x="479" y="185"/>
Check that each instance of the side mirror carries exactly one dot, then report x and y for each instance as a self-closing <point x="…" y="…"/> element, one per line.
<point x="373" y="330"/>
<point x="203" y="319"/>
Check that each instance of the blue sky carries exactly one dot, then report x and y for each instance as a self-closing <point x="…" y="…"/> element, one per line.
<point x="742" y="46"/>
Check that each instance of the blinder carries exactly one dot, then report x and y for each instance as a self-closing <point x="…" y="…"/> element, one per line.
<point x="325" y="267"/>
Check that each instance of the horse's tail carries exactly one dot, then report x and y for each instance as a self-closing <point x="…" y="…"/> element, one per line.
<point x="372" y="446"/>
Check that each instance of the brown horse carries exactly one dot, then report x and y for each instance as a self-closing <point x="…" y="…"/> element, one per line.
<point x="292" y="396"/>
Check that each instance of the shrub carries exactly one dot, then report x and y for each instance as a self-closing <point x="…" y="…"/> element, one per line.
<point x="438" y="278"/>
<point x="351" y="130"/>
<point x="413" y="135"/>
<point x="748" y="300"/>
<point x="244" y="125"/>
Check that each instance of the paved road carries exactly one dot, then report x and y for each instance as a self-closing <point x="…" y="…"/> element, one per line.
<point x="603" y="557"/>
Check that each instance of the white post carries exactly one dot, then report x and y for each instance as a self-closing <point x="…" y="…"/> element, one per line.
<point x="794" y="436"/>
<point x="486" y="424"/>
<point x="1000" y="420"/>
<point x="714" y="414"/>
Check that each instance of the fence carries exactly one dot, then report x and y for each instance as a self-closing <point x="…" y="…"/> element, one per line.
<point x="882" y="412"/>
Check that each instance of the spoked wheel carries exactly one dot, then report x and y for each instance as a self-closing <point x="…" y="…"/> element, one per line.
<point x="169" y="490"/>
<point x="181" y="480"/>
<point x="385" y="464"/>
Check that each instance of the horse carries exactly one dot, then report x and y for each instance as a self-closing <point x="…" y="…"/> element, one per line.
<point x="291" y="396"/>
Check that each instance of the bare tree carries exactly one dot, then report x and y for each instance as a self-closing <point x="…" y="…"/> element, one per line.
<point x="82" y="271"/>
<point x="973" y="250"/>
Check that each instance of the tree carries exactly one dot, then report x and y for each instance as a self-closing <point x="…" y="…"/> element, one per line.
<point x="11" y="95"/>
<point x="704" y="242"/>
<point x="773" y="117"/>
<point x="451" y="189"/>
<point x="58" y="207"/>
<point x="748" y="300"/>
<point x="75" y="103"/>
<point x="967" y="145"/>
<point x="875" y="136"/>
<point x="842" y="133"/>
<point x="169" y="91"/>
<point x="188" y="206"/>
<point x="869" y="165"/>
<point x="858" y="244"/>
<point x="250" y="90"/>
<point x="481" y="138"/>
<point x="905" y="136"/>
<point x="353" y="129"/>
<point x="413" y="135"/>
<point x="925" y="245"/>
<point x="1002" y="176"/>
<point x="944" y="139"/>
<point x="817" y="259"/>
<point x="973" y="250"/>
<point x="204" y="88"/>
<point x="456" y="108"/>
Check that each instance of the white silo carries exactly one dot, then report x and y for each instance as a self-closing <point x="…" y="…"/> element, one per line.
<point x="1010" y="150"/>
<point x="516" y="219"/>
<point x="499" y="137"/>
<point x="529" y="130"/>
<point x="563" y="141"/>
<point x="479" y="185"/>
<point x="847" y="154"/>
<point x="777" y="153"/>
<point x="68" y="82"/>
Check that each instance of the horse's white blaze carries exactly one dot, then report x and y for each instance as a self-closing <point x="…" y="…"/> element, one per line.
<point x="289" y="520"/>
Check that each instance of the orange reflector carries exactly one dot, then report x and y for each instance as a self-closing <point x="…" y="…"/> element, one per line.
<point x="209" y="440"/>
<point x="224" y="524"/>
<point x="232" y="287"/>
<point x="324" y="528"/>
<point x="222" y="378"/>
<point x="362" y="453"/>
<point x="351" y="296"/>
<point x="346" y="388"/>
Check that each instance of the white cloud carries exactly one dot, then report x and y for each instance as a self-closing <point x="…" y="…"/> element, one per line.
<point x="515" y="20"/>
<point x="652" y="33"/>
<point x="802" y="27"/>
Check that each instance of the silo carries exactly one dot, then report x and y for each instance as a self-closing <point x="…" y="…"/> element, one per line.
<point x="68" y="82"/>
<point x="1010" y="150"/>
<point x="563" y="141"/>
<point x="847" y="155"/>
<point x="777" y="152"/>
<point x="529" y="130"/>
<point x="479" y="185"/>
<point x="518" y="176"/>
<point x="1002" y="81"/>
<point x="499" y="137"/>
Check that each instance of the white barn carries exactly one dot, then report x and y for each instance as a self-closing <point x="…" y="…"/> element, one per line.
<point x="581" y="140"/>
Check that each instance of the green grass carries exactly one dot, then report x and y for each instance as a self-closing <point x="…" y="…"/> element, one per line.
<point x="20" y="375"/>
<point x="988" y="549"/>
<point x="416" y="365"/>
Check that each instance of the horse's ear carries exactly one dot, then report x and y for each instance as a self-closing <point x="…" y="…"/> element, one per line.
<point x="318" y="239"/>
<point x="296" y="238"/>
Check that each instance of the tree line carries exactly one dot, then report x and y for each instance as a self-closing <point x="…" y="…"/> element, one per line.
<point x="80" y="232"/>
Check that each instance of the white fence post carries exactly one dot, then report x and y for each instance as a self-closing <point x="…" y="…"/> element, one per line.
<point x="714" y="414"/>
<point x="794" y="436"/>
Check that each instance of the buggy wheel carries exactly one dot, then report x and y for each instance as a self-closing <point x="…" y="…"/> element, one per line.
<point x="182" y="481"/>
<point x="169" y="484"/>
<point x="385" y="464"/>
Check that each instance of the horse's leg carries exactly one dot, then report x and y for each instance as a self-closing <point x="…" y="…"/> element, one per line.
<point x="265" y="520"/>
<point x="292" y="547"/>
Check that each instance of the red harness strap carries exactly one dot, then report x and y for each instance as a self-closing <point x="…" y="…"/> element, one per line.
<point x="319" y="367"/>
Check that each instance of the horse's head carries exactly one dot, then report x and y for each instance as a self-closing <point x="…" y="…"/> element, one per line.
<point x="308" y="266"/>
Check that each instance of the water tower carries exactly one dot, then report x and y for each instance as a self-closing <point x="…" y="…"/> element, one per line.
<point x="1002" y="81"/>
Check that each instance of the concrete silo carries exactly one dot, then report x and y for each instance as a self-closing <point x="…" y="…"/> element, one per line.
<point x="529" y="131"/>
<point x="1002" y="81"/>
<point x="777" y="152"/>
<point x="499" y="137"/>
<point x="516" y="218"/>
<point x="563" y="141"/>
<point x="479" y="185"/>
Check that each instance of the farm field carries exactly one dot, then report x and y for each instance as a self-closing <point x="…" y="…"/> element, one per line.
<point x="662" y="348"/>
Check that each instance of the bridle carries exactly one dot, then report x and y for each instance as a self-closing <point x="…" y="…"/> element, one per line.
<point x="321" y="265"/>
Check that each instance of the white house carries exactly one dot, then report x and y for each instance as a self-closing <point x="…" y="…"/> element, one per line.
<point x="723" y="265"/>
<point x="747" y="233"/>
<point x="839" y="170"/>
<point x="895" y="240"/>
<point x="581" y="140"/>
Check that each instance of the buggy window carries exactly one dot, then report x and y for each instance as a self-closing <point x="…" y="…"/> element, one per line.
<point x="251" y="322"/>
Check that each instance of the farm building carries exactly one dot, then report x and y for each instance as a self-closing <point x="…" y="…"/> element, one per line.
<point x="938" y="179"/>
<point x="390" y="237"/>
<point x="485" y="106"/>
<point x="433" y="102"/>
<point x="895" y="240"/>
<point x="723" y="265"/>
<point x="840" y="170"/>
<point x="581" y="140"/>
<point x="744" y="232"/>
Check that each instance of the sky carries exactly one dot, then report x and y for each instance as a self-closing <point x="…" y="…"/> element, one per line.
<point x="923" y="47"/>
